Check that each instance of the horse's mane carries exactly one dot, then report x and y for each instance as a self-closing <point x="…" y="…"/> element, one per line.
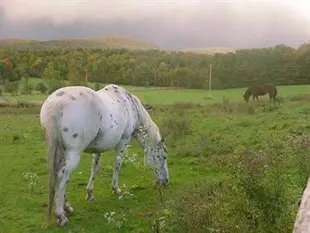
<point x="149" y="125"/>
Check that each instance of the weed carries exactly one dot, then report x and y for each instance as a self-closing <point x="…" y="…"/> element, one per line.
<point x="34" y="185"/>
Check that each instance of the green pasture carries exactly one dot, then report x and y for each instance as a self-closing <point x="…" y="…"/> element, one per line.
<point x="233" y="168"/>
<point x="155" y="95"/>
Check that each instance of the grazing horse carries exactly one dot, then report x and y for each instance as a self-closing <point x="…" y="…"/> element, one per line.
<point x="77" y="119"/>
<point x="257" y="90"/>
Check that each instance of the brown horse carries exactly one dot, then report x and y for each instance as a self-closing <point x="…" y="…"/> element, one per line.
<point x="257" y="90"/>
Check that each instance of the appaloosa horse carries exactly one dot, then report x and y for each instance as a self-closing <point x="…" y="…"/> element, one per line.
<point x="257" y="90"/>
<point x="77" y="119"/>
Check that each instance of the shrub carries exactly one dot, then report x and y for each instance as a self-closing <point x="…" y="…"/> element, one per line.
<point x="206" y="208"/>
<point x="54" y="84"/>
<point x="11" y="87"/>
<point x="41" y="87"/>
<point x="97" y="87"/>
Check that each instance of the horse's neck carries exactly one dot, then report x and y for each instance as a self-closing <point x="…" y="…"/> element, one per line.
<point x="147" y="132"/>
<point x="141" y="135"/>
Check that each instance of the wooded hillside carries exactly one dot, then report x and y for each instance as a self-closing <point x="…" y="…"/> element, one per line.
<point x="278" y="65"/>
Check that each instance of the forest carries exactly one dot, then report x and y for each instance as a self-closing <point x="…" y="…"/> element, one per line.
<point x="280" y="65"/>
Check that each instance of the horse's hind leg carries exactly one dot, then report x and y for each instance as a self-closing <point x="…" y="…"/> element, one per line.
<point x="119" y="150"/>
<point x="72" y="160"/>
<point x="94" y="170"/>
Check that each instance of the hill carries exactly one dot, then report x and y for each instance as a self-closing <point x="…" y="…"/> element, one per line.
<point x="111" y="41"/>
<point x="103" y="42"/>
<point x="209" y="50"/>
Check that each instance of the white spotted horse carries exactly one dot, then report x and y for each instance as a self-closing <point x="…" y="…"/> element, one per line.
<point x="77" y="119"/>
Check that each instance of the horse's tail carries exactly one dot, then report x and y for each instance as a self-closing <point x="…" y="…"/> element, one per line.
<point x="55" y="156"/>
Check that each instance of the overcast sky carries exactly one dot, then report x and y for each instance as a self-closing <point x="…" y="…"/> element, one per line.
<point x="167" y="24"/>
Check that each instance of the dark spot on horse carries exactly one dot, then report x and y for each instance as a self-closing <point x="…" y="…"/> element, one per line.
<point x="63" y="171"/>
<point x="122" y="151"/>
<point x="100" y="117"/>
<point x="106" y="89"/>
<point x="61" y="114"/>
<point x="118" y="101"/>
<point x="151" y="149"/>
<point x="75" y="135"/>
<point x="115" y="87"/>
<point x="93" y="178"/>
<point x="116" y="91"/>
<point x="81" y="93"/>
<point x="60" y="93"/>
<point x="165" y="157"/>
<point x="65" y="129"/>
<point x="124" y="101"/>
<point x="72" y="98"/>
<point x="111" y="126"/>
<point x="96" y="162"/>
<point x="126" y="144"/>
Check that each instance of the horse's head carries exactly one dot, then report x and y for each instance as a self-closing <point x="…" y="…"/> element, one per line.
<point x="156" y="157"/>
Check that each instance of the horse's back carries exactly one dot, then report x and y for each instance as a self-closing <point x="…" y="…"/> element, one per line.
<point x="77" y="112"/>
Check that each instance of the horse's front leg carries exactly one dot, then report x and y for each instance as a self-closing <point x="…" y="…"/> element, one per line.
<point x="94" y="170"/>
<point x="257" y="99"/>
<point x="119" y="150"/>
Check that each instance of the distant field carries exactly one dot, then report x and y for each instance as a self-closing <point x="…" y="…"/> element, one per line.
<point x="158" y="96"/>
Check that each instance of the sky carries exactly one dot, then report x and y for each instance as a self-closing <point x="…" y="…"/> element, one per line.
<point x="169" y="24"/>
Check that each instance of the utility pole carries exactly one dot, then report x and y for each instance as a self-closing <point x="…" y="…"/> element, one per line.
<point x="210" y="79"/>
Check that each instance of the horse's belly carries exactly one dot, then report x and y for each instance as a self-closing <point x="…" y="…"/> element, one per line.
<point x="105" y="142"/>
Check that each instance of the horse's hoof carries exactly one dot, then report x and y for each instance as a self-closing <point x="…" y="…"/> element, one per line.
<point x="69" y="211"/>
<point x="116" y="191"/>
<point x="62" y="221"/>
<point x="90" y="197"/>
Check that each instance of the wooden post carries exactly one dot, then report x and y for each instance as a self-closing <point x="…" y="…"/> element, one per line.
<point x="210" y="79"/>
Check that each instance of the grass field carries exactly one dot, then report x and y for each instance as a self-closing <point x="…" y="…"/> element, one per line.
<point x="162" y="96"/>
<point x="233" y="168"/>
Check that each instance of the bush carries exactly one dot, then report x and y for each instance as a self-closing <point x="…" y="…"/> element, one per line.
<point x="207" y="208"/>
<point x="41" y="87"/>
<point x="97" y="87"/>
<point x="54" y="84"/>
<point x="11" y="87"/>
<point x="27" y="89"/>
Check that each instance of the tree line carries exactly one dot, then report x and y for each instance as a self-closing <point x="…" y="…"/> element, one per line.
<point x="280" y="65"/>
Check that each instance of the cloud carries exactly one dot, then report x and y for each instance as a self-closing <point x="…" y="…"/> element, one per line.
<point x="169" y="24"/>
